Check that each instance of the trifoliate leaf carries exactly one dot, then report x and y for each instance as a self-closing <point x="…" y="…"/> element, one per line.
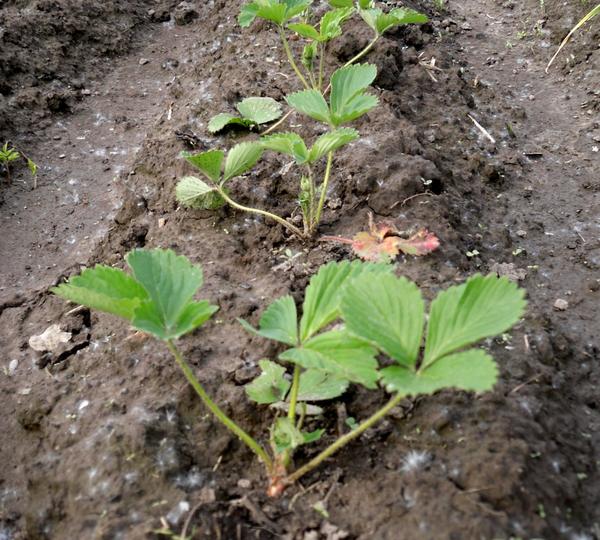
<point x="278" y="322"/>
<point x="317" y="385"/>
<point x="331" y="141"/>
<point x="464" y="314"/>
<point x="311" y="103"/>
<point x="106" y="289"/>
<point x="259" y="110"/>
<point x="270" y="386"/>
<point x="222" y="120"/>
<point x="170" y="281"/>
<point x="290" y="144"/>
<point x="194" y="193"/>
<point x="324" y="292"/>
<point x="241" y="157"/>
<point x="305" y="30"/>
<point x="209" y="163"/>
<point x="388" y="313"/>
<point x="272" y="11"/>
<point x="472" y="370"/>
<point x="340" y="354"/>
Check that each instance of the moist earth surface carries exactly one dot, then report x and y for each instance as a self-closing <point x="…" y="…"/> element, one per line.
<point x="472" y="140"/>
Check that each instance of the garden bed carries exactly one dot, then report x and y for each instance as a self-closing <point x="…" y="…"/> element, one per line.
<point x="105" y="438"/>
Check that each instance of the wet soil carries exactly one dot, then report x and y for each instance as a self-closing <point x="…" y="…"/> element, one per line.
<point x="104" y="439"/>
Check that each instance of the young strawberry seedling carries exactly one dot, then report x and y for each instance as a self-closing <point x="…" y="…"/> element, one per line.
<point x="372" y="317"/>
<point x="349" y="99"/>
<point x="8" y="154"/>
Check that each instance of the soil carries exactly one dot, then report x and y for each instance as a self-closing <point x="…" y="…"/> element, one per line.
<point x="105" y="440"/>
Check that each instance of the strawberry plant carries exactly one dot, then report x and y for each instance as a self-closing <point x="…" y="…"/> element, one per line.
<point x="352" y="315"/>
<point x="349" y="100"/>
<point x="8" y="154"/>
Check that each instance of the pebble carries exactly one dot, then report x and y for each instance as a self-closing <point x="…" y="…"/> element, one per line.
<point x="244" y="483"/>
<point x="143" y="61"/>
<point x="561" y="305"/>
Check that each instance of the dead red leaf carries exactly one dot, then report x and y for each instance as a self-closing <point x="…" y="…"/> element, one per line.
<point x="382" y="242"/>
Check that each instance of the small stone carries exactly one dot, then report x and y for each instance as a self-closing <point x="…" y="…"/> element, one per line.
<point x="521" y="233"/>
<point x="561" y="305"/>
<point x="162" y="222"/>
<point x="466" y="26"/>
<point x="86" y="92"/>
<point x="244" y="483"/>
<point x="12" y="367"/>
<point x="143" y="61"/>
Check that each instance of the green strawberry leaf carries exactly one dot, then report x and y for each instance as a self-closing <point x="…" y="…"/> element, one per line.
<point x="270" y="386"/>
<point x="194" y="193"/>
<point x="464" y="314"/>
<point x="472" y="370"/>
<point x="348" y="85"/>
<point x="241" y="158"/>
<point x="278" y="322"/>
<point x="170" y="281"/>
<point x="324" y="293"/>
<point x="259" y="110"/>
<point x="290" y="144"/>
<point x="317" y="385"/>
<point x="388" y="312"/>
<point x="331" y="141"/>
<point x="311" y="103"/>
<point x="340" y="354"/>
<point x="106" y="289"/>
<point x="305" y="30"/>
<point x="209" y="163"/>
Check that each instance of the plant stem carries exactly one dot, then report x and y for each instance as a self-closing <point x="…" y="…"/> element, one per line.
<point x="290" y="56"/>
<point x="294" y="394"/>
<point x="214" y="408"/>
<point x="274" y="217"/>
<point x="343" y="441"/>
<point x="321" y="71"/>
<point x="317" y="217"/>
<point x="278" y="123"/>
<point x="363" y="52"/>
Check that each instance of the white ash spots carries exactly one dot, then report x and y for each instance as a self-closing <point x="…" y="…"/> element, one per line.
<point x="415" y="460"/>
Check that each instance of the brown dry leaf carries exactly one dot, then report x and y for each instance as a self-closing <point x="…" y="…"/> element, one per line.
<point x="383" y="243"/>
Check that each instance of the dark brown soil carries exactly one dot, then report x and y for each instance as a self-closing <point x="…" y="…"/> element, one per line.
<point x="105" y="439"/>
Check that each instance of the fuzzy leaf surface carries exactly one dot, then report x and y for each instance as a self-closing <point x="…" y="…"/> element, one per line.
<point x="259" y="110"/>
<point x="270" y="386"/>
<point x="311" y="103"/>
<point x="106" y="289"/>
<point x="340" y="354"/>
<point x="331" y="141"/>
<point x="472" y="370"/>
<point x="317" y="385"/>
<point x="170" y="281"/>
<point x="388" y="312"/>
<point x="290" y="144"/>
<point x="464" y="314"/>
<point x="195" y="193"/>
<point x="209" y="163"/>
<point x="241" y="158"/>
<point x="324" y="293"/>
<point x="278" y="322"/>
